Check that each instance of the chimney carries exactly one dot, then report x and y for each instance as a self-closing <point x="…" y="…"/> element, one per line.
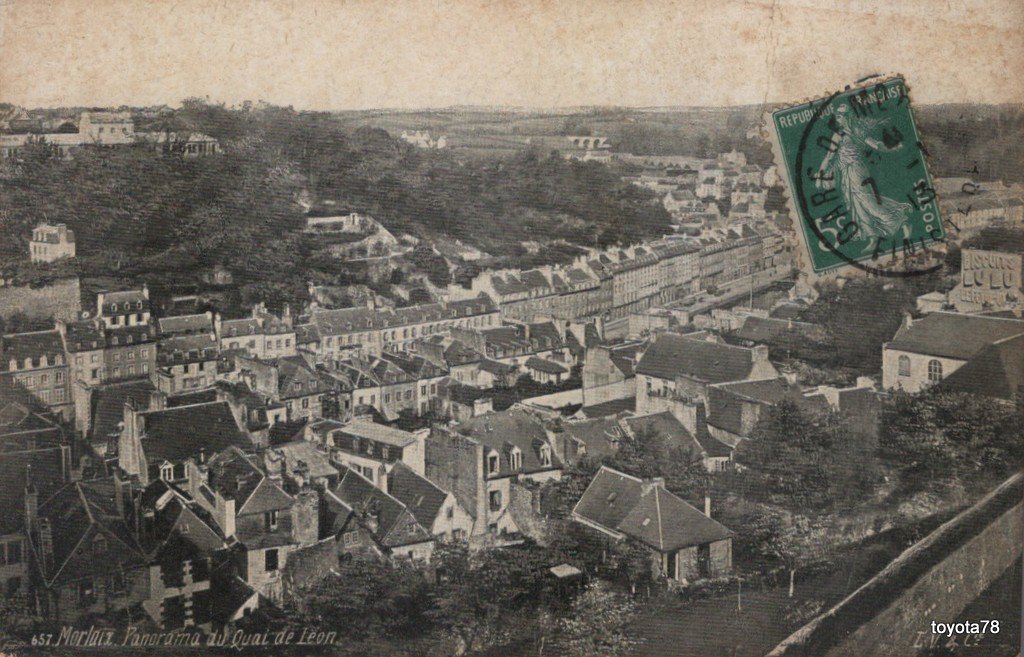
<point x="760" y="353"/>
<point x="45" y="543"/>
<point x="145" y="290"/>
<point x="372" y="519"/>
<point x="650" y="484"/>
<point x="707" y="505"/>
<point x="157" y="401"/>
<point x="31" y="502"/>
<point x="908" y="320"/>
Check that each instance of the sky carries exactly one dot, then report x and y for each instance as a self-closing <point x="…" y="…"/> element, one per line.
<point x="362" y="54"/>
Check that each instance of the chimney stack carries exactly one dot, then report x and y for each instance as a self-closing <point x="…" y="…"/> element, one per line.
<point x="31" y="501"/>
<point x="707" y="505"/>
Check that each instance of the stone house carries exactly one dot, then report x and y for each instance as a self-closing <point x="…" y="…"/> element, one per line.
<point x="684" y="544"/>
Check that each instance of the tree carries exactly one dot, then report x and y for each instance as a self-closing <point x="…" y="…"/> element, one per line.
<point x="803" y="457"/>
<point x="597" y="623"/>
<point x="936" y="439"/>
<point x="485" y="597"/>
<point x="390" y="601"/>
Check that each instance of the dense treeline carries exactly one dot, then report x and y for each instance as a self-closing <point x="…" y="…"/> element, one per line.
<point x="146" y="214"/>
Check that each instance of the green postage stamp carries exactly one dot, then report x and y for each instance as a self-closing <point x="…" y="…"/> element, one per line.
<point x="858" y="182"/>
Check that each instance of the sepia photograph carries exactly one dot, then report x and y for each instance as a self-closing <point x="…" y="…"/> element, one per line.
<point x="473" y="328"/>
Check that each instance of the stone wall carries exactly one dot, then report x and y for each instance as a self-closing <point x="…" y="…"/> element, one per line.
<point x="58" y="300"/>
<point x="933" y="580"/>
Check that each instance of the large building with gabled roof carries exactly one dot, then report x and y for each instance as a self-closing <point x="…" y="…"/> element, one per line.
<point x="684" y="543"/>
<point x="925" y="351"/>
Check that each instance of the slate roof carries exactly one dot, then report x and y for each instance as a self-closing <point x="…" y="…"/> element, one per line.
<point x="667" y="426"/>
<point x="608" y="408"/>
<point x="233" y="328"/>
<point x="125" y="296"/>
<point x="305" y="452"/>
<point x="296" y="378"/>
<point x="953" y="335"/>
<point x="995" y="371"/>
<point x="421" y="496"/>
<point x="545" y="366"/>
<point x="770" y="330"/>
<point x="236" y="477"/>
<point x="725" y="401"/>
<point x="180" y="349"/>
<point x="672" y="355"/>
<point x="33" y="345"/>
<point x="108" y="405"/>
<point x="77" y="514"/>
<point x="507" y="429"/>
<point x="173" y="510"/>
<point x="601" y="437"/>
<point x="496" y="368"/>
<point x="379" y="433"/>
<point x="648" y="513"/>
<point x="46" y="465"/>
<point x="177" y="324"/>
<point x="306" y="334"/>
<point x="176" y="434"/>
<point x="396" y="524"/>
<point x="83" y="336"/>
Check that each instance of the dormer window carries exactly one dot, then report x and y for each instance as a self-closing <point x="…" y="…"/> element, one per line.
<point x="167" y="472"/>
<point x="492" y="463"/>
<point x="515" y="459"/>
<point x="545" y="455"/>
<point x="270" y="521"/>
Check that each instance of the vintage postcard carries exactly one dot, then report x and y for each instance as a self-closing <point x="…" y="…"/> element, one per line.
<point x="554" y="328"/>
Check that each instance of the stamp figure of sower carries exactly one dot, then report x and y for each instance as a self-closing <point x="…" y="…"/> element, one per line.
<point x="857" y="178"/>
<point x="845" y="166"/>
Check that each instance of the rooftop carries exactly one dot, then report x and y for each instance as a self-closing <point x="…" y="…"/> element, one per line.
<point x="953" y="335"/>
<point x="646" y="512"/>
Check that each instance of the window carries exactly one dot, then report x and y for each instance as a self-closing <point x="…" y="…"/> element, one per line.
<point x="270" y="561"/>
<point x="13" y="553"/>
<point x="167" y="472"/>
<point x="305" y="402"/>
<point x="131" y="355"/>
<point x="516" y="459"/>
<point x="545" y="455"/>
<point x="495" y="500"/>
<point x="270" y="521"/>
<point x="492" y="463"/>
<point x="934" y="371"/>
<point x="86" y="592"/>
<point x="58" y="377"/>
<point x="95" y="358"/>
<point x="387" y="397"/>
<point x="449" y="512"/>
<point x="44" y="380"/>
<point x="423" y="389"/>
<point x="904" y="366"/>
<point x="384" y="453"/>
<point x="116" y="582"/>
<point x="350" y="539"/>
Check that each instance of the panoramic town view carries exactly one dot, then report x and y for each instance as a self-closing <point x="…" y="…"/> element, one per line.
<point x="495" y="381"/>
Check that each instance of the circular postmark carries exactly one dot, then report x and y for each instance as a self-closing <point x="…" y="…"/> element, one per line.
<point x="861" y="186"/>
